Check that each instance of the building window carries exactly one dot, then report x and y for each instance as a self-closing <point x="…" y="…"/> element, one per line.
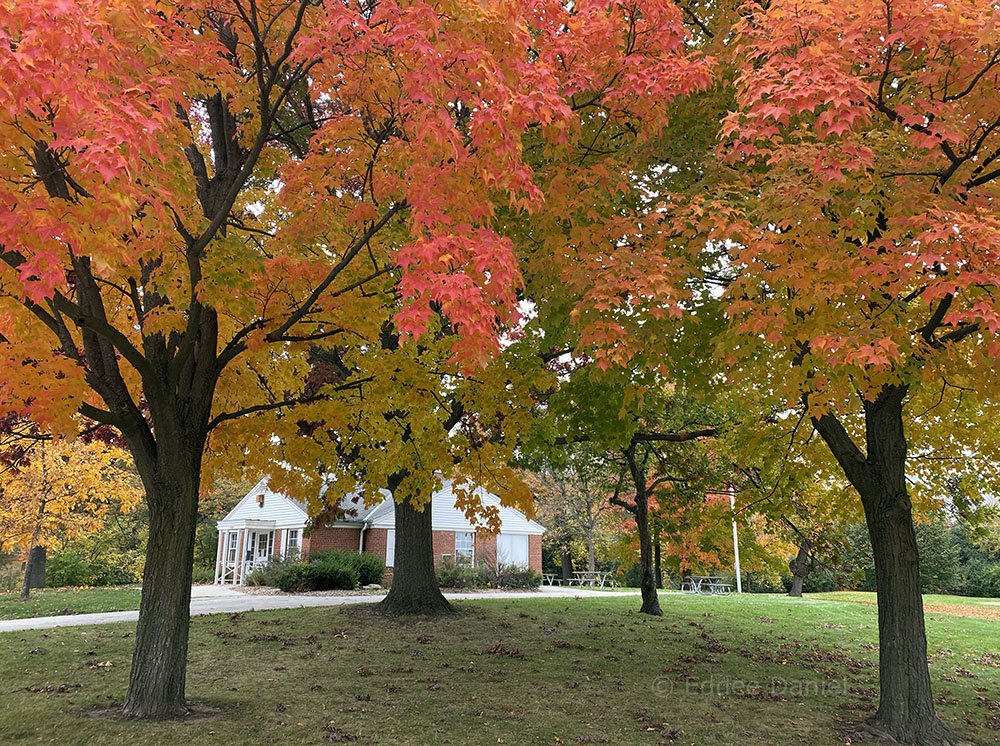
<point x="233" y="539"/>
<point x="293" y="540"/>
<point x="464" y="544"/>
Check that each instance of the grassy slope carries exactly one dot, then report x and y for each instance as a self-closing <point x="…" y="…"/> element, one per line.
<point x="592" y="671"/>
<point x="55" y="601"/>
<point x="929" y="598"/>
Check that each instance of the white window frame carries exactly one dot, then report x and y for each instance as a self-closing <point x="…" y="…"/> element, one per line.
<point x="462" y="553"/>
<point x="505" y="555"/>
<point x="390" y="547"/>
<point x="291" y="540"/>
<point x="232" y="551"/>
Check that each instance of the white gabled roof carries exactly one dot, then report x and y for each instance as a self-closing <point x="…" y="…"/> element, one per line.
<point x="446" y="517"/>
<point x="289" y="513"/>
<point x="283" y="510"/>
<point x="355" y="503"/>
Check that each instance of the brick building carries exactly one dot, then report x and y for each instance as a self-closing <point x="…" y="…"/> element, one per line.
<point x="266" y="524"/>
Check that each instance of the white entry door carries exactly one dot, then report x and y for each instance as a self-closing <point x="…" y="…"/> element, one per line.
<point x="265" y="547"/>
<point x="512" y="549"/>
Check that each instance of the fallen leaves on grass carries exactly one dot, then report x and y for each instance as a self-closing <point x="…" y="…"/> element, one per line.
<point x="49" y="689"/>
<point x="338" y="736"/>
<point x="502" y="651"/>
<point x="988" y="659"/>
<point x="652" y="725"/>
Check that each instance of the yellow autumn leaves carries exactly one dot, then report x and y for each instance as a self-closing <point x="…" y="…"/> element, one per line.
<point x="62" y="489"/>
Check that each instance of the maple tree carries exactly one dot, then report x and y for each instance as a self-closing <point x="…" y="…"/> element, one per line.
<point x="422" y="422"/>
<point x="58" y="490"/>
<point x="858" y="233"/>
<point x="196" y="195"/>
<point x="593" y="55"/>
<point x="648" y="436"/>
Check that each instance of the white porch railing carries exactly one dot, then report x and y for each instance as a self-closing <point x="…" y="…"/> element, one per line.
<point x="235" y="573"/>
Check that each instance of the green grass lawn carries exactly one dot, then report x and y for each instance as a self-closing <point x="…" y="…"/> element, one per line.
<point x="56" y="601"/>
<point x="733" y="671"/>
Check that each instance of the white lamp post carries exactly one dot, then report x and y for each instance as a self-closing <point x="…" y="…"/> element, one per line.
<point x="736" y="541"/>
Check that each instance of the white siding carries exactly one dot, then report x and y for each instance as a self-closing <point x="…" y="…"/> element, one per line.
<point x="446" y="517"/>
<point x="284" y="511"/>
<point x="288" y="513"/>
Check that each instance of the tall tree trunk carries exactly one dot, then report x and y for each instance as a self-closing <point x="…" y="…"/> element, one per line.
<point x="800" y="567"/>
<point x="567" y="564"/>
<point x="30" y="565"/>
<point x="34" y="571"/>
<point x="414" y="584"/>
<point x="591" y="558"/>
<point x="647" y="577"/>
<point x="906" y="704"/>
<point x="159" y="660"/>
<point x="796" y="589"/>
<point x="639" y="509"/>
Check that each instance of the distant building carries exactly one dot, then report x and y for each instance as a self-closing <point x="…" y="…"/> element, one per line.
<point x="265" y="524"/>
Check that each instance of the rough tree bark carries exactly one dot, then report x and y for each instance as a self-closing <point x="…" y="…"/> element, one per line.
<point x="800" y="566"/>
<point x="567" y="564"/>
<point x="34" y="571"/>
<point x="906" y="704"/>
<point x="414" y="584"/>
<point x="647" y="577"/>
<point x="159" y="660"/>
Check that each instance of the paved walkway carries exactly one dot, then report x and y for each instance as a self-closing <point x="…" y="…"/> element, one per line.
<point x="219" y="599"/>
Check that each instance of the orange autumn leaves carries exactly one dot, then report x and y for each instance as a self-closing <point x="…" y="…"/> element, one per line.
<point x="864" y="148"/>
<point x="413" y="120"/>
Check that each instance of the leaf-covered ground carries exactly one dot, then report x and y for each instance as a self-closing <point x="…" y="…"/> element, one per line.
<point x="59" y="601"/>
<point x="736" y="671"/>
<point x="981" y="608"/>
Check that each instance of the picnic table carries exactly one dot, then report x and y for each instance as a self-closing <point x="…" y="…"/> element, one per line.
<point x="706" y="585"/>
<point x="581" y="578"/>
<point x="586" y="577"/>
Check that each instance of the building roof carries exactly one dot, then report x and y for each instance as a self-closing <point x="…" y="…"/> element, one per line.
<point x="281" y="509"/>
<point x="446" y="517"/>
<point x="287" y="512"/>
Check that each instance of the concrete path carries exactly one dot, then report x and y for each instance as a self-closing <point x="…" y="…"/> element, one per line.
<point x="218" y="599"/>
